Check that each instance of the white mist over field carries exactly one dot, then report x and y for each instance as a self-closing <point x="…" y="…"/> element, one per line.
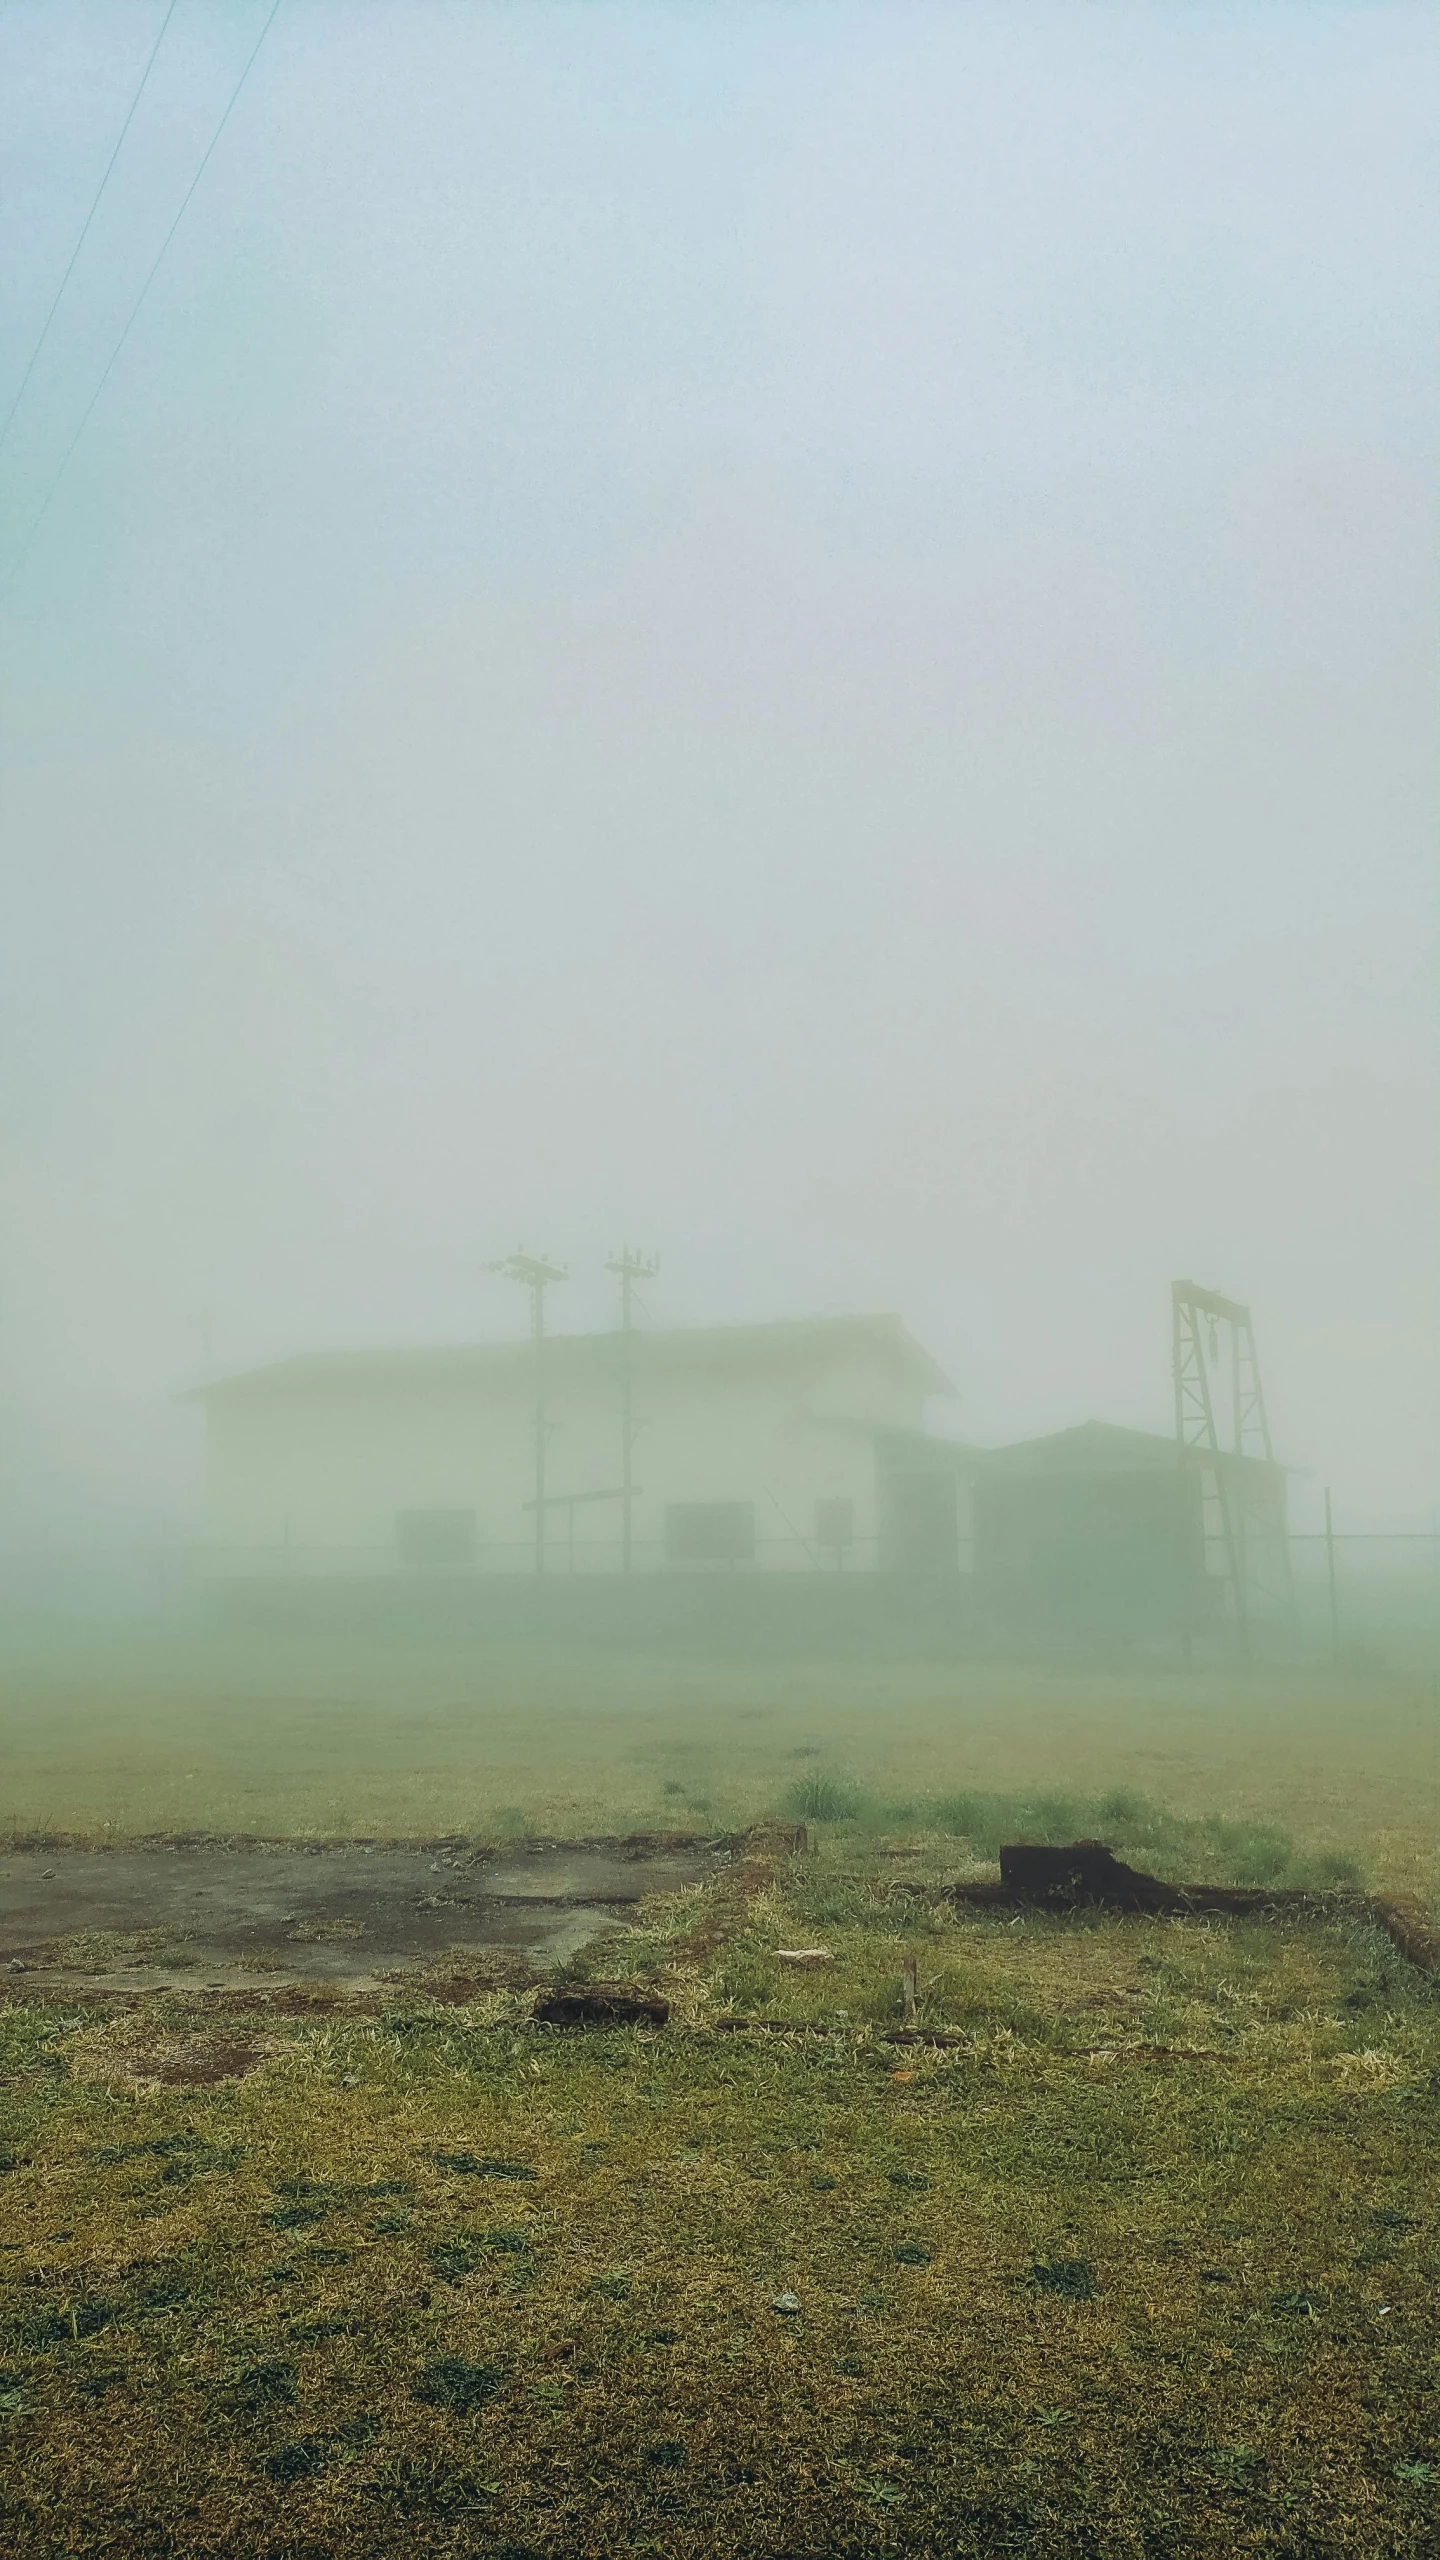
<point x="805" y="634"/>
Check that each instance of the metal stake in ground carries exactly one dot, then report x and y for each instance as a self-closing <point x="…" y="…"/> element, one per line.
<point x="535" y="1274"/>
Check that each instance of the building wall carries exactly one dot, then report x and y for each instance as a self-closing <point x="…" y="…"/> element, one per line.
<point x="313" y="1478"/>
<point x="1074" y="1550"/>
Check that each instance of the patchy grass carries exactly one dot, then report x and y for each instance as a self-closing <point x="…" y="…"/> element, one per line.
<point x="1147" y="2264"/>
<point x="1301" y="1763"/>
<point x="1210" y="1848"/>
<point x="1143" y="2265"/>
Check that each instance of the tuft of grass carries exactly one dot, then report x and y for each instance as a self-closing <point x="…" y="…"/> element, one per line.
<point x="1072" y="2278"/>
<point x="450" y="2382"/>
<point x="819" y="1798"/>
<point x="1209" y="1848"/>
<point x="1335" y="1870"/>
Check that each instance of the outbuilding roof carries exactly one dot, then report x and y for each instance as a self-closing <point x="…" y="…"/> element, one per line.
<point x="1100" y="1448"/>
<point x="793" y="1343"/>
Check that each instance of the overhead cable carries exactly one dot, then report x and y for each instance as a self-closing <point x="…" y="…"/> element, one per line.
<point x="24" y="552"/>
<point x="85" y="227"/>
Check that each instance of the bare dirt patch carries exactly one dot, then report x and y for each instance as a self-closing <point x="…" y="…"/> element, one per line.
<point x="187" y="2062"/>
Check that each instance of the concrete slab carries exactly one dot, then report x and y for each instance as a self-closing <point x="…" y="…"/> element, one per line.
<point x="258" y="1915"/>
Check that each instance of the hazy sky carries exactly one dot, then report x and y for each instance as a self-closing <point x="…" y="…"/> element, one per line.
<point x="803" y="633"/>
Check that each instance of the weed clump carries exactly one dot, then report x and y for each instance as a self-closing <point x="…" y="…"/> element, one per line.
<point x="1201" y="1849"/>
<point x="298" y="2461"/>
<point x="819" y="1798"/>
<point x="451" y="2383"/>
<point x="267" y="2385"/>
<point x="454" y="2260"/>
<point x="1072" y="2278"/>
<point x="471" y="2164"/>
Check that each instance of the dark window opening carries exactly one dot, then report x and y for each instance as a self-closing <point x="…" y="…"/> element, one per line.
<point x="430" y="1540"/>
<point x="710" y="1532"/>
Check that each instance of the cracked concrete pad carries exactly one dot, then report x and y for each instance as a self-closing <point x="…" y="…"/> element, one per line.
<point x="221" y="1915"/>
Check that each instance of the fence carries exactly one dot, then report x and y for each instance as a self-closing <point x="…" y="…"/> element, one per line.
<point x="1354" y="1589"/>
<point x="1355" y="1586"/>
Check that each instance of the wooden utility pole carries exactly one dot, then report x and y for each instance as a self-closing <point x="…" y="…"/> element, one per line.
<point x="1330" y="1576"/>
<point x="535" y="1274"/>
<point x="628" y="1267"/>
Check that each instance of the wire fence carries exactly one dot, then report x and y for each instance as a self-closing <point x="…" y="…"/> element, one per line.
<point x="1357" y="1583"/>
<point x="1350" y="1588"/>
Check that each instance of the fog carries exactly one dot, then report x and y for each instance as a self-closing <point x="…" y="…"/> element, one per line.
<point x="771" y="665"/>
<point x="806" y="635"/>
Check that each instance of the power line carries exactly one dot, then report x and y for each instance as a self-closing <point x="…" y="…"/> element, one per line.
<point x="25" y="549"/>
<point x="85" y="228"/>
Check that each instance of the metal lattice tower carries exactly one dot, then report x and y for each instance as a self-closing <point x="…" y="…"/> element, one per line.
<point x="1208" y="1332"/>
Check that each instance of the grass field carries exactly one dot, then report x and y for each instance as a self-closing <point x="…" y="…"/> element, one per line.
<point x="1146" y="2262"/>
<point x="300" y="1739"/>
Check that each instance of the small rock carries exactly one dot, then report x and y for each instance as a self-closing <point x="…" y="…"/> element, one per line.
<point x="47" y="1875"/>
<point x="786" y="2302"/>
<point x="801" y="1955"/>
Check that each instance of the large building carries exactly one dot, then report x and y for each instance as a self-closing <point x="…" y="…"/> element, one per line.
<point x="770" y="1448"/>
<point x="768" y="1451"/>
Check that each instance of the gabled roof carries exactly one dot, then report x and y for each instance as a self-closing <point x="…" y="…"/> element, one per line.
<point x="927" y="1453"/>
<point x="1098" y="1448"/>
<point x="798" y="1343"/>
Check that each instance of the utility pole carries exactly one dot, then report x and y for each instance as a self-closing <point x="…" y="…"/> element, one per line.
<point x="535" y="1274"/>
<point x="628" y="1267"/>
<point x="1330" y="1578"/>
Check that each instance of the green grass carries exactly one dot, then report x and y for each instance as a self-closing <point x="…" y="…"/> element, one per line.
<point x="1145" y="2262"/>
<point x="295" y="1738"/>
<point x="438" y="2281"/>
<point x="1206" y="1848"/>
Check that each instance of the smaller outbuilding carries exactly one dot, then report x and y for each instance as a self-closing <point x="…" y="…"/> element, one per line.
<point x="1108" y="1531"/>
